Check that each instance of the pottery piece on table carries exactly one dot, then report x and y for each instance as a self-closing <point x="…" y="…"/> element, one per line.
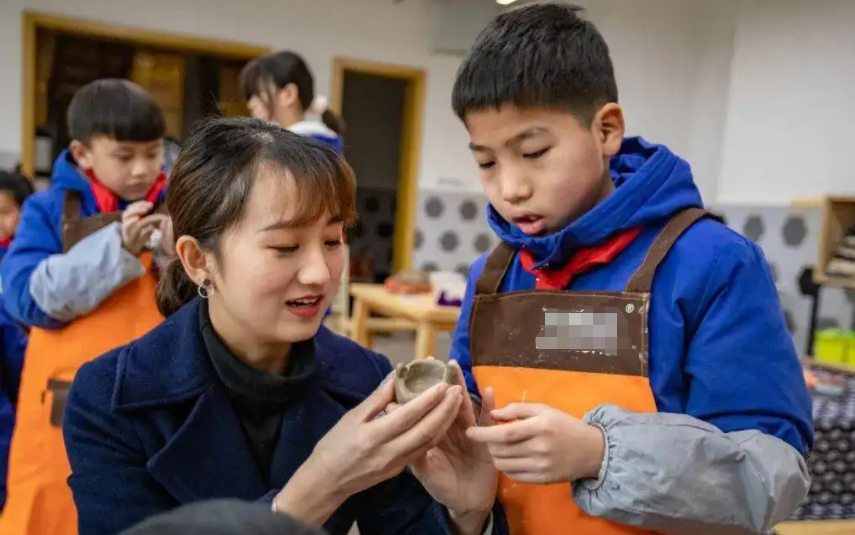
<point x="417" y="377"/>
<point x="409" y="282"/>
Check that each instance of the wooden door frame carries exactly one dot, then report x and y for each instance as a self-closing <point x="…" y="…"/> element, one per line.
<point x="411" y="145"/>
<point x="33" y="21"/>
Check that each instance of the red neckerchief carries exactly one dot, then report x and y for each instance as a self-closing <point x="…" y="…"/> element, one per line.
<point x="581" y="261"/>
<point x="108" y="202"/>
<point x="4" y="244"/>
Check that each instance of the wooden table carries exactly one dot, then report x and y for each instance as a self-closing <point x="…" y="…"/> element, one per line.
<point x="422" y="310"/>
<point x="818" y="527"/>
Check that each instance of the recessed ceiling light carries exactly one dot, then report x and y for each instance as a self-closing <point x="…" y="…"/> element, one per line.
<point x="505" y="2"/>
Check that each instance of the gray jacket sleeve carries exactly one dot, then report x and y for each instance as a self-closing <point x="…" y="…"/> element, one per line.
<point x="673" y="473"/>
<point x="67" y="286"/>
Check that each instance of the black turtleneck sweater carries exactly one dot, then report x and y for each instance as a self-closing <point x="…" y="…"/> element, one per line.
<point x="259" y="398"/>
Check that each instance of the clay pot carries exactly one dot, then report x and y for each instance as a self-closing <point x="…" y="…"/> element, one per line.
<point x="419" y="376"/>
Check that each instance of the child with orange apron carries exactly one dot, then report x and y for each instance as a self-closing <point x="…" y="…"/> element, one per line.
<point x="14" y="190"/>
<point x="635" y="346"/>
<point x="80" y="273"/>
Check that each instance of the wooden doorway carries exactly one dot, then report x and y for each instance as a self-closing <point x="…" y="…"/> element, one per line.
<point x="167" y="64"/>
<point x="382" y="106"/>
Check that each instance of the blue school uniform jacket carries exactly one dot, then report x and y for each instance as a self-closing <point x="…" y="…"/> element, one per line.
<point x="48" y="291"/>
<point x="149" y="427"/>
<point x="13" y="344"/>
<point x="719" y="348"/>
<point x="320" y="132"/>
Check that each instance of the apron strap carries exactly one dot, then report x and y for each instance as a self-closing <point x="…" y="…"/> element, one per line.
<point x="72" y="204"/>
<point x="642" y="280"/>
<point x="494" y="270"/>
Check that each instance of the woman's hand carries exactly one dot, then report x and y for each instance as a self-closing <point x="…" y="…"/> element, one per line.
<point x="459" y="472"/>
<point x="363" y="450"/>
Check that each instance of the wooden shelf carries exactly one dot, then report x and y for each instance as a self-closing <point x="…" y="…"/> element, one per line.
<point x="836" y="282"/>
<point x="838" y="216"/>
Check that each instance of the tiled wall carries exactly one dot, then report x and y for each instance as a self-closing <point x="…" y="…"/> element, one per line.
<point x="372" y="235"/>
<point x="789" y="238"/>
<point x="452" y="232"/>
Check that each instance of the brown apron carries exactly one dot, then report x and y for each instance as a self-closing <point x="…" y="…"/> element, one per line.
<point x="39" y="500"/>
<point x="569" y="350"/>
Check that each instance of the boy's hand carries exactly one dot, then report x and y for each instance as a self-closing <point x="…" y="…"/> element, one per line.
<point x="137" y="227"/>
<point x="542" y="445"/>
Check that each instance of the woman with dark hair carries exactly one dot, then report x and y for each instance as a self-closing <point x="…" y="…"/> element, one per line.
<point x="241" y="393"/>
<point x="280" y="88"/>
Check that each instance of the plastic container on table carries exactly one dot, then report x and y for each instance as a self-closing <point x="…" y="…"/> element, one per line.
<point x="836" y="346"/>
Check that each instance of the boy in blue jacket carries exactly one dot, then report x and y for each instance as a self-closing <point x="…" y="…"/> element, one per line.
<point x="113" y="164"/>
<point x="636" y="348"/>
<point x="81" y="273"/>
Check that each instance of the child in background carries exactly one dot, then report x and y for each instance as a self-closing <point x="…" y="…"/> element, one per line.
<point x="636" y="347"/>
<point x="80" y="273"/>
<point x="279" y="87"/>
<point x="14" y="189"/>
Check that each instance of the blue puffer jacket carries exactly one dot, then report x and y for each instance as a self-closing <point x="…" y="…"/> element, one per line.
<point x="39" y="236"/>
<point x="719" y="347"/>
<point x="320" y="132"/>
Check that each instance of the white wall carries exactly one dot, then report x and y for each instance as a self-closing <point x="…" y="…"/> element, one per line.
<point x="792" y="102"/>
<point x="655" y="43"/>
<point x="672" y="61"/>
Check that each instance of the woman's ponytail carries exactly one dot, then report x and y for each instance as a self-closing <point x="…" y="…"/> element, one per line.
<point x="175" y="289"/>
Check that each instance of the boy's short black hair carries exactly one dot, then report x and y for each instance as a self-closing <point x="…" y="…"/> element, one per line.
<point x="222" y="517"/>
<point x="539" y="55"/>
<point x="115" y="108"/>
<point x="16" y="185"/>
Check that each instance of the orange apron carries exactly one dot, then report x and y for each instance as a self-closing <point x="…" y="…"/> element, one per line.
<point x="39" y="500"/>
<point x="572" y="351"/>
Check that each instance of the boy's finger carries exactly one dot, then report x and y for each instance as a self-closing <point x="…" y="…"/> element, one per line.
<point x="138" y="208"/>
<point x="467" y="414"/>
<point x="510" y="451"/>
<point x="503" y="434"/>
<point x="516" y="465"/>
<point x="146" y="225"/>
<point x="518" y="411"/>
<point x="488" y="405"/>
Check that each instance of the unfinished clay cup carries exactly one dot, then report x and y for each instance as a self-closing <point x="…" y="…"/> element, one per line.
<point x="419" y="376"/>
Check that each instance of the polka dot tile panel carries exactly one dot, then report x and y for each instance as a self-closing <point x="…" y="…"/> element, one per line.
<point x="789" y="240"/>
<point x="468" y="210"/>
<point x="371" y="239"/>
<point x="434" y="207"/>
<point x="794" y="230"/>
<point x="448" y="241"/>
<point x="452" y="230"/>
<point x="753" y="228"/>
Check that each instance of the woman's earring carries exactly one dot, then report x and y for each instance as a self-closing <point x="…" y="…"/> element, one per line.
<point x="206" y="289"/>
